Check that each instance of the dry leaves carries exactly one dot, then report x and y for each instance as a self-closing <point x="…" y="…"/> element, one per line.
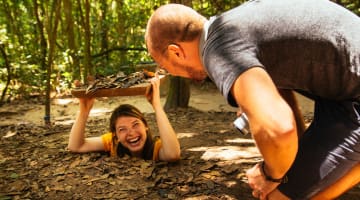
<point x="34" y="164"/>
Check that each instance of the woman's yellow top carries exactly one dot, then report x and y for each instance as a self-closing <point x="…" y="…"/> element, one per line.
<point x="109" y="146"/>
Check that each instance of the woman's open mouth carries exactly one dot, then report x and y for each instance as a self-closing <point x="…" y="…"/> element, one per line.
<point x="134" y="141"/>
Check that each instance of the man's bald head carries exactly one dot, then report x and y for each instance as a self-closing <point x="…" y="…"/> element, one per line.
<point x="170" y="24"/>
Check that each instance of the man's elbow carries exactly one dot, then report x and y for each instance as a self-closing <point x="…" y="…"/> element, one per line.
<point x="284" y="133"/>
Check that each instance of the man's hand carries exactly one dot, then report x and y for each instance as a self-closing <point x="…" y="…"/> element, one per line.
<point x="257" y="181"/>
<point x="239" y="112"/>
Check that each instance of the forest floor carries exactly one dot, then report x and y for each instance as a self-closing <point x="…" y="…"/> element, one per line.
<point x="35" y="164"/>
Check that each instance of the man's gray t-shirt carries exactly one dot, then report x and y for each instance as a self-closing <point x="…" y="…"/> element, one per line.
<point x="305" y="45"/>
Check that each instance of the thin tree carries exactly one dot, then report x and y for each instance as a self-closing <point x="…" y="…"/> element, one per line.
<point x="14" y="34"/>
<point x="104" y="29"/>
<point x="85" y="23"/>
<point x="74" y="65"/>
<point x="47" y="60"/>
<point x="8" y="69"/>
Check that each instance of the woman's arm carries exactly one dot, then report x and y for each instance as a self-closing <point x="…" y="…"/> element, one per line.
<point x="77" y="140"/>
<point x="170" y="149"/>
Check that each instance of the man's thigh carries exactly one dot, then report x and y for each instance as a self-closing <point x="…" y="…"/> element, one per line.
<point x="345" y="183"/>
<point x="329" y="149"/>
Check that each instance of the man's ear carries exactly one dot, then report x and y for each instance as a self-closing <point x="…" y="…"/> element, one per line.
<point x="176" y="51"/>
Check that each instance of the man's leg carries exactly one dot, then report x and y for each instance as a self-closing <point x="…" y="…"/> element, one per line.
<point x="289" y="97"/>
<point x="333" y="191"/>
<point x="348" y="181"/>
<point x="328" y="150"/>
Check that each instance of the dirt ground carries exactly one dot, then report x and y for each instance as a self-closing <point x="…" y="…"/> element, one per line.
<point x="35" y="164"/>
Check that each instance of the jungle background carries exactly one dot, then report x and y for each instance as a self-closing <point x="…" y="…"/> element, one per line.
<point x="47" y="44"/>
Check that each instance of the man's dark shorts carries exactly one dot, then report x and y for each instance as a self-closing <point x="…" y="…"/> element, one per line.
<point x="329" y="148"/>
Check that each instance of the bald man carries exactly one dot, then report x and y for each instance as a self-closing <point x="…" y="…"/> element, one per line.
<point x="258" y="54"/>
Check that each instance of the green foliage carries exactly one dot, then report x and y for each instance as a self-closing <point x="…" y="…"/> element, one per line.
<point x="352" y="5"/>
<point x="116" y="26"/>
<point x="117" y="39"/>
<point x="214" y="7"/>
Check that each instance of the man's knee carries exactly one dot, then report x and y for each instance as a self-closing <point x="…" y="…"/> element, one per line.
<point x="345" y="183"/>
<point x="349" y="180"/>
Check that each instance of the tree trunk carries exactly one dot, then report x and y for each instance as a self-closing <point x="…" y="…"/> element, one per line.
<point x="120" y="28"/>
<point x="104" y="30"/>
<point x="89" y="71"/>
<point x="179" y="89"/>
<point x="43" y="43"/>
<point x="179" y="93"/>
<point x="52" y="33"/>
<point x="85" y="24"/>
<point x="74" y="65"/>
<point x="8" y="69"/>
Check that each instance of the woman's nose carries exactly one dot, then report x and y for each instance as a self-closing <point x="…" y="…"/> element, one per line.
<point x="131" y="131"/>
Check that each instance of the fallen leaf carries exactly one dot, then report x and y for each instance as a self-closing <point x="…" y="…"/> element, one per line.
<point x="207" y="166"/>
<point x="14" y="175"/>
<point x="229" y="169"/>
<point x="9" y="134"/>
<point x="146" y="169"/>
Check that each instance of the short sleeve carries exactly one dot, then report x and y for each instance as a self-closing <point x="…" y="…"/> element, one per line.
<point x="156" y="151"/>
<point x="108" y="144"/>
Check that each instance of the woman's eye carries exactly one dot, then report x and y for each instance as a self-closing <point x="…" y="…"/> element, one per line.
<point x="135" y="125"/>
<point x="122" y="130"/>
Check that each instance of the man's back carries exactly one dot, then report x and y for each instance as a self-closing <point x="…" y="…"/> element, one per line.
<point x="310" y="46"/>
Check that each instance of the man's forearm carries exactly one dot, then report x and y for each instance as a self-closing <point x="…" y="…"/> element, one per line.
<point x="278" y="152"/>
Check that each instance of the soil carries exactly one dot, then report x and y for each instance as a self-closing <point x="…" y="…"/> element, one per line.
<point x="35" y="164"/>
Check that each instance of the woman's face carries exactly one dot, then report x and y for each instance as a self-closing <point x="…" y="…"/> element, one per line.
<point x="131" y="133"/>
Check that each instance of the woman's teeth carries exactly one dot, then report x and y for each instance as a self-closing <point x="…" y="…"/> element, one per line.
<point x="134" y="140"/>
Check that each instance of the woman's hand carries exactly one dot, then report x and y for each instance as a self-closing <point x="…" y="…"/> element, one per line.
<point x="86" y="104"/>
<point x="153" y="94"/>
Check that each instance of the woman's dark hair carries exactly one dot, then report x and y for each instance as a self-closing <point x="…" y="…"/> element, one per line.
<point x="131" y="111"/>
